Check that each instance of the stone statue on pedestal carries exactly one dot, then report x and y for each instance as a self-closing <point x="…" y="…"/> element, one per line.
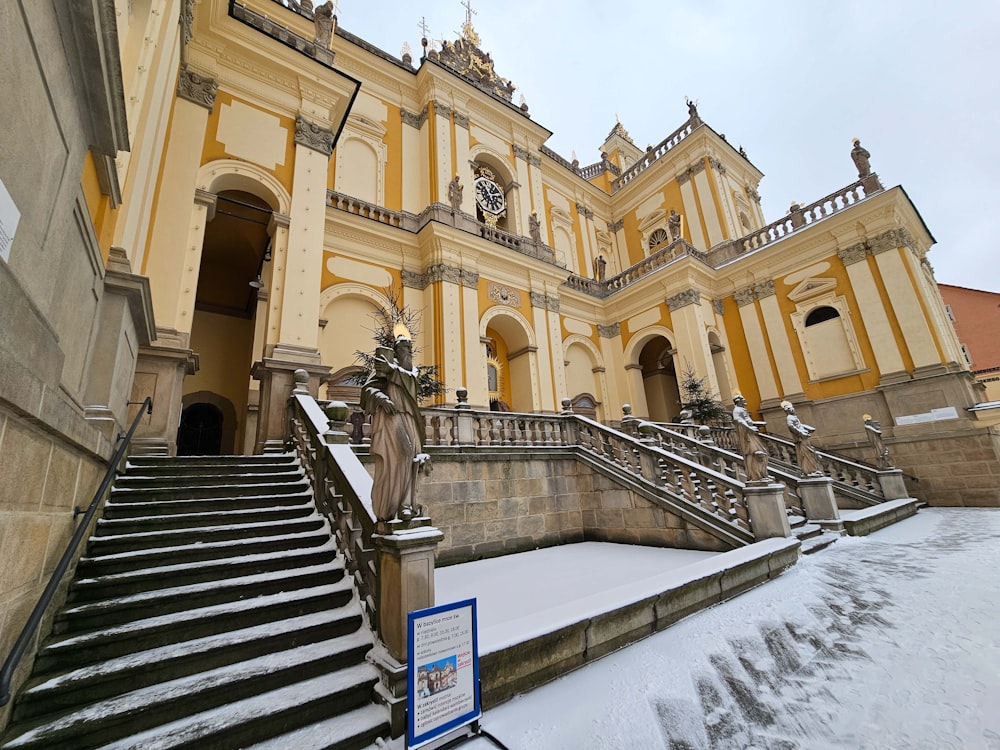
<point x="873" y="431"/>
<point x="805" y="453"/>
<point x="455" y="194"/>
<point x="861" y="159"/>
<point x="323" y="19"/>
<point x="749" y="442"/>
<point x="390" y="396"/>
<point x="534" y="227"/>
<point x="674" y="225"/>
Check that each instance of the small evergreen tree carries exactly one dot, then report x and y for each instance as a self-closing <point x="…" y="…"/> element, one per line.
<point x="385" y="322"/>
<point x="698" y="398"/>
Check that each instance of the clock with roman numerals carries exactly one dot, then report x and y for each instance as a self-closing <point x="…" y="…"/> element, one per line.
<point x="489" y="197"/>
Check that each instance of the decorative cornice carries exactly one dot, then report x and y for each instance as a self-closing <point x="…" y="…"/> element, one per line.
<point x="521" y="153"/>
<point x="196" y="88"/>
<point x="187" y="22"/>
<point x="544" y="301"/>
<point x="414" y="120"/>
<point x="764" y="289"/>
<point x="616" y="226"/>
<point x="685" y="298"/>
<point x="503" y="295"/>
<point x="443" y="272"/>
<point x="752" y="194"/>
<point x="684" y="176"/>
<point x="584" y="211"/>
<point x="534" y="160"/>
<point x="441" y="109"/>
<point x="461" y="120"/>
<point x="717" y="165"/>
<point x="470" y="279"/>
<point x="698" y="166"/>
<point x="314" y="136"/>
<point x="609" y="332"/>
<point x="718" y="306"/>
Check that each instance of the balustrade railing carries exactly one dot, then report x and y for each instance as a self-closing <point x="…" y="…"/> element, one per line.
<point x="654" y="153"/>
<point x="663" y="257"/>
<point x="798" y="217"/>
<point x="842" y="470"/>
<point x="358" y="207"/>
<point x="679" y="477"/>
<point x="342" y="488"/>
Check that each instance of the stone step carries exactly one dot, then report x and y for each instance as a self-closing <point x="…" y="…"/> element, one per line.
<point x="816" y="543"/>
<point x="184" y="481"/>
<point x="72" y="651"/>
<point x="165" y="575"/>
<point x="807" y="531"/>
<point x="153" y="494"/>
<point x="136" y="507"/>
<point x="129" y="561"/>
<point x="331" y="734"/>
<point x="138" y="524"/>
<point x="304" y="671"/>
<point x="131" y="607"/>
<point x="110" y="544"/>
<point x="46" y="694"/>
<point x="176" y="464"/>
<point x="239" y="724"/>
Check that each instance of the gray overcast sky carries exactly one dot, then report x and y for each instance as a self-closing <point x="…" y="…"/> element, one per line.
<point x="792" y="82"/>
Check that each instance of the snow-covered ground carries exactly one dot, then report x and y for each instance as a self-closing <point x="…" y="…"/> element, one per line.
<point x="886" y="642"/>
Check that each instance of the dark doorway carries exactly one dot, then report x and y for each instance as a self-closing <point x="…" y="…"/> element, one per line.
<point x="200" y="433"/>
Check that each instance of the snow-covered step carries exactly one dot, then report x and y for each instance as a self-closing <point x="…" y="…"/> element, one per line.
<point x="135" y="506"/>
<point x="352" y="727"/>
<point x="136" y="524"/>
<point x="164" y="576"/>
<point x="182" y="464"/>
<point x="150" y="632"/>
<point x="109" y="544"/>
<point x="165" y="481"/>
<point x="151" y="707"/>
<point x="158" y="602"/>
<point x="120" y="562"/>
<point x="210" y="491"/>
<point x="100" y="680"/>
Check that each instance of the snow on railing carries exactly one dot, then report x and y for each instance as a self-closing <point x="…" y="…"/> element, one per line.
<point x="842" y="470"/>
<point x="676" y="250"/>
<point x="342" y="488"/>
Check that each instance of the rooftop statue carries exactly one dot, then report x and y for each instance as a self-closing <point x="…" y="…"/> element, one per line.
<point x="862" y="159"/>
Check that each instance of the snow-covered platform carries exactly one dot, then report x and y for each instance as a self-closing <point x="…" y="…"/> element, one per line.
<point x="546" y="612"/>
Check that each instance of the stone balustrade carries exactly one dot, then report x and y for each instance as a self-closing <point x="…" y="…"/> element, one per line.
<point x="401" y="219"/>
<point x="841" y="470"/>
<point x="653" y="154"/>
<point x="666" y="255"/>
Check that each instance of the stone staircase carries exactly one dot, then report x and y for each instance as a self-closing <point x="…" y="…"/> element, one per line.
<point x="210" y="610"/>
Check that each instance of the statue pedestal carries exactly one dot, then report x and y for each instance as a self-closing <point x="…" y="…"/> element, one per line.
<point x="405" y="559"/>
<point x="766" y="506"/>
<point x="892" y="484"/>
<point x="818" y="500"/>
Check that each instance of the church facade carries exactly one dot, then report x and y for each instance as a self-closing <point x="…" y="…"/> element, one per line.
<point x="214" y="195"/>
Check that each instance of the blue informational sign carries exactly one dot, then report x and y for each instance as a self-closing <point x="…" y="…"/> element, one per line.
<point x="442" y="671"/>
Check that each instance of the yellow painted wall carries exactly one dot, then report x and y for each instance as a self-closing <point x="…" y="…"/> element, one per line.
<point x="393" y="140"/>
<point x="485" y="303"/>
<point x="99" y="206"/>
<point x="739" y="355"/>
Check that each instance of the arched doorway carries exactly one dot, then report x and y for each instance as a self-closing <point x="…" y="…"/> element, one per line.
<point x="659" y="380"/>
<point x="200" y="433"/>
<point x="508" y="364"/>
<point x="230" y="287"/>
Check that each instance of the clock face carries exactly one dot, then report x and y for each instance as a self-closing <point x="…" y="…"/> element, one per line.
<point x="489" y="196"/>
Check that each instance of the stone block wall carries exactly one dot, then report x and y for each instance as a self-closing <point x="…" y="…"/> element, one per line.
<point x="498" y="504"/>
<point x="44" y="477"/>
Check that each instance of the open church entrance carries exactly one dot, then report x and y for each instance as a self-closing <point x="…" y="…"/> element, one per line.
<point x="232" y="284"/>
<point x="659" y="380"/>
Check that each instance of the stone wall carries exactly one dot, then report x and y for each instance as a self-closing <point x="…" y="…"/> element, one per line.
<point x="44" y="477"/>
<point x="491" y="505"/>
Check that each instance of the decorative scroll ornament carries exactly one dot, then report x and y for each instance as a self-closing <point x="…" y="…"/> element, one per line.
<point x="314" y="136"/>
<point x="504" y="295"/>
<point x="197" y="88"/>
<point x="466" y="58"/>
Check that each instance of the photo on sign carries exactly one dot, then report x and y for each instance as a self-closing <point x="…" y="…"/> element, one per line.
<point x="437" y="676"/>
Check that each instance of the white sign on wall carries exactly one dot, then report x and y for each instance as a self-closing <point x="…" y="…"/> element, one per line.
<point x="443" y="671"/>
<point x="9" y="217"/>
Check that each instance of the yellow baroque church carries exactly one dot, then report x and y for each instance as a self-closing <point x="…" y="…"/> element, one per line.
<point x="201" y="197"/>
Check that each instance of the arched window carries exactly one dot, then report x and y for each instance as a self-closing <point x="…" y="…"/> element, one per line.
<point x="821" y="315"/>
<point x="657" y="238"/>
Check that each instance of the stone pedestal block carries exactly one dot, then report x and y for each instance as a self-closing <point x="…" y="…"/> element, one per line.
<point x="892" y="484"/>
<point x="818" y="500"/>
<point x="160" y="372"/>
<point x="277" y="381"/>
<point x="766" y="506"/>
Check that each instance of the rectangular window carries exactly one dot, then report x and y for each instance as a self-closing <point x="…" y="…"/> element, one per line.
<point x="951" y="315"/>
<point x="968" y="357"/>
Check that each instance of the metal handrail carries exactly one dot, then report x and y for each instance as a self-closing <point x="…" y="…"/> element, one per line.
<point x="28" y="631"/>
